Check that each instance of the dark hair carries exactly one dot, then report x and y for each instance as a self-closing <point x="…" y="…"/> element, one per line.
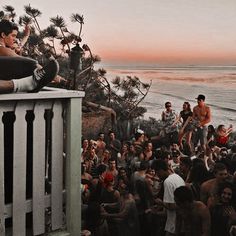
<point x="144" y="165"/>
<point x="188" y="106"/>
<point x="137" y="135"/>
<point x="110" y="132"/>
<point x="111" y="159"/>
<point x="186" y="161"/>
<point x="159" y="165"/>
<point x="198" y="172"/>
<point x="183" y="194"/>
<point x="101" y="169"/>
<point x="7" y="27"/>
<point x="167" y="104"/>
<point x="219" y="167"/>
<point x="225" y="185"/>
<point x="212" y="128"/>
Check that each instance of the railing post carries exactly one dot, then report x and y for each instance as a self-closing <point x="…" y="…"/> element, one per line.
<point x="73" y="166"/>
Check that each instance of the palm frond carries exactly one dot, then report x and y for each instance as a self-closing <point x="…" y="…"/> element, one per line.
<point x="8" y="8"/>
<point x="77" y="18"/>
<point x="58" y="21"/>
<point x="33" y="12"/>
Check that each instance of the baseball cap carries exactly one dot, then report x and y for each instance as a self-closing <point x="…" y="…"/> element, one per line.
<point x="201" y="97"/>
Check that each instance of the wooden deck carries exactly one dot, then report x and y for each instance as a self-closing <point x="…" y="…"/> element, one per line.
<point x="40" y="147"/>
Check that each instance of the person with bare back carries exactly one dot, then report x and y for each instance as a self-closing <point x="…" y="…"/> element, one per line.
<point x="202" y="114"/>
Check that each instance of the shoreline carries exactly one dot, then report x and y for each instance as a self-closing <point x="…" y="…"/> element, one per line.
<point x="180" y="87"/>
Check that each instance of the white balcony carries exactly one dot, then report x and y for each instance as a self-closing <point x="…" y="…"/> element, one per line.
<point x="40" y="138"/>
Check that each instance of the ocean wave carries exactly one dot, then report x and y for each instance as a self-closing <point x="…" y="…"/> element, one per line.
<point x="193" y="100"/>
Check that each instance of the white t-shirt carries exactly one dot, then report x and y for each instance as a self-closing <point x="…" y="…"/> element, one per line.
<point x="172" y="182"/>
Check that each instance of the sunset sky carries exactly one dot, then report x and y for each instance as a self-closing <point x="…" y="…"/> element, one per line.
<point x="173" y="32"/>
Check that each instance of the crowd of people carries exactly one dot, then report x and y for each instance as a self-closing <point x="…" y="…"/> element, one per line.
<point x="180" y="182"/>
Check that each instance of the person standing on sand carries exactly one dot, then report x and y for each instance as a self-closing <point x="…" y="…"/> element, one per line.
<point x="202" y="114"/>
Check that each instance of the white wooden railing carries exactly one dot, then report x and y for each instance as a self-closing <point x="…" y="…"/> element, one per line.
<point x="53" y="147"/>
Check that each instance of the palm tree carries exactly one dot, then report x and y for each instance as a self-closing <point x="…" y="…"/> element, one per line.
<point x="11" y="12"/>
<point x="26" y="20"/>
<point x="59" y="22"/>
<point x="33" y="13"/>
<point x="78" y="18"/>
<point x="51" y="32"/>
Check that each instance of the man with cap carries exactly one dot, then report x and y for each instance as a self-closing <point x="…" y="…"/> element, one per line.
<point x="202" y="113"/>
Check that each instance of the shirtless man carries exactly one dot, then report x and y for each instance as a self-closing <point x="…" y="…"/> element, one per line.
<point x="193" y="217"/>
<point x="17" y="73"/>
<point x="202" y="114"/>
<point x="209" y="188"/>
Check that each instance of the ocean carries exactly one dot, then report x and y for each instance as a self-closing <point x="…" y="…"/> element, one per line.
<point x="180" y="84"/>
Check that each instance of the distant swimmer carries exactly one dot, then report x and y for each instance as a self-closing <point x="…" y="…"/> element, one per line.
<point x="202" y="113"/>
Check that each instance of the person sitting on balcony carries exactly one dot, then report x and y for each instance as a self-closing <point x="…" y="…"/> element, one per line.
<point x="21" y="74"/>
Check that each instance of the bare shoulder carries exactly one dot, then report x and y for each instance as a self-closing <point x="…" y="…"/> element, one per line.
<point x="207" y="184"/>
<point x="7" y="52"/>
<point x="200" y="205"/>
<point x="201" y="208"/>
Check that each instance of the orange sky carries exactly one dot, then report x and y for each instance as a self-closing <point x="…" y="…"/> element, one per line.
<point x="156" y="31"/>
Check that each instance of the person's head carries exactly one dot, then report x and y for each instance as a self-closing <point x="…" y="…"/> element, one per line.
<point x="139" y="136"/>
<point x="221" y="129"/>
<point x="174" y="146"/>
<point x="101" y="136"/>
<point x="211" y="129"/>
<point x="132" y="149"/>
<point x="226" y="192"/>
<point x="220" y="172"/>
<point x="122" y="172"/>
<point x="106" y="155"/>
<point x="111" y="135"/>
<point x="85" y="143"/>
<point x="175" y="154"/>
<point x="143" y="165"/>
<point x="125" y="148"/>
<point x="148" y="146"/>
<point x="185" y="164"/>
<point x="151" y="171"/>
<point x="112" y="164"/>
<point x="92" y="143"/>
<point x="8" y="33"/>
<point x="186" y="106"/>
<point x="108" y="179"/>
<point x="161" y="168"/>
<point x="101" y="169"/>
<point x="198" y="172"/>
<point x="168" y="105"/>
<point x="201" y="100"/>
<point x="122" y="185"/>
<point x="92" y="153"/>
<point x="164" y="156"/>
<point x="183" y="197"/>
<point x="223" y="152"/>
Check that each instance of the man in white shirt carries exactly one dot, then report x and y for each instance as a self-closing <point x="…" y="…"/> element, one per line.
<point x="171" y="182"/>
